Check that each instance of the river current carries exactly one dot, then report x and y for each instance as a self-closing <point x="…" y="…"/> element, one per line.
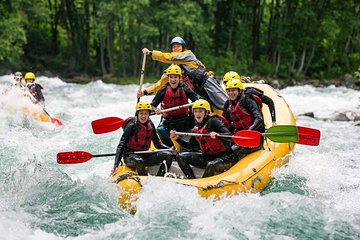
<point x="315" y="196"/>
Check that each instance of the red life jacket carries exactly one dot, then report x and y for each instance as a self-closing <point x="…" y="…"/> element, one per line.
<point x="208" y="145"/>
<point x="239" y="117"/>
<point x="141" y="139"/>
<point x="173" y="99"/>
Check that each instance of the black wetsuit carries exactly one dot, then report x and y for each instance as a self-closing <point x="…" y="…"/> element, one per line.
<point x="213" y="164"/>
<point x="183" y="124"/>
<point x="140" y="161"/>
<point x="265" y="99"/>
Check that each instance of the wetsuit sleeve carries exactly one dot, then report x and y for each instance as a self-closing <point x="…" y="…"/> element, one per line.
<point x="190" y="93"/>
<point x="265" y="99"/>
<point x="268" y="101"/>
<point x="159" y="97"/>
<point x="255" y="111"/>
<point x="156" y="141"/>
<point x="128" y="130"/>
<point x="180" y="58"/>
<point x="157" y="86"/>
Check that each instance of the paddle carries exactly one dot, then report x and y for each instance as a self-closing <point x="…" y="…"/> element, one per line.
<point x="308" y="136"/>
<point x="142" y="75"/>
<point x="105" y="125"/>
<point x="244" y="138"/>
<point x="56" y="121"/>
<point x="282" y="133"/>
<point x="296" y="134"/>
<point x="176" y="107"/>
<point x="82" y="156"/>
<point x="110" y="124"/>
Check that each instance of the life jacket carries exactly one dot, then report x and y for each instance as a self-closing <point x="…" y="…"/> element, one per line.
<point x="34" y="91"/>
<point x="141" y="139"/>
<point x="239" y="117"/>
<point x="208" y="145"/>
<point x="255" y="97"/>
<point x="173" y="99"/>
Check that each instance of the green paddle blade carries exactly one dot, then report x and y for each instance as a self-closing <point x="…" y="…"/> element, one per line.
<point x="282" y="134"/>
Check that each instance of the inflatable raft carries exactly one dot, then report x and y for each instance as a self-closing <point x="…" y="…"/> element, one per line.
<point x="251" y="174"/>
<point x="41" y="116"/>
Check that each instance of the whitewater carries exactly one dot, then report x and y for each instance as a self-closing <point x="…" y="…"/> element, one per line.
<point x="315" y="196"/>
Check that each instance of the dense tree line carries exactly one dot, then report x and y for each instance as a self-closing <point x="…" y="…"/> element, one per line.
<point x="278" y="38"/>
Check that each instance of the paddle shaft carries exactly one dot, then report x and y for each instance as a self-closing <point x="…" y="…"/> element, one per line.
<point x="136" y="152"/>
<point x="33" y="99"/>
<point x="201" y="135"/>
<point x="142" y="75"/>
<point x="105" y="155"/>
<point x="176" y="108"/>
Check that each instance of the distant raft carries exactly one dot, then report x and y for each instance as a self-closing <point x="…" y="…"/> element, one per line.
<point x="251" y="174"/>
<point x="41" y="116"/>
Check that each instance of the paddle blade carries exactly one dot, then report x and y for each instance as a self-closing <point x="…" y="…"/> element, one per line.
<point x="282" y="134"/>
<point x="308" y="136"/>
<point x="73" y="157"/>
<point x="105" y="125"/>
<point x="56" y="121"/>
<point x="247" y="138"/>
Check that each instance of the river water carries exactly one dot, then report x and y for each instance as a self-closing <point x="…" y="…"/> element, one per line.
<point x="315" y="196"/>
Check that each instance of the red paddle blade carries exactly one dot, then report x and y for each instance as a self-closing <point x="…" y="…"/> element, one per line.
<point x="247" y="138"/>
<point x="308" y="136"/>
<point x="73" y="157"/>
<point x="56" y="121"/>
<point x="105" y="125"/>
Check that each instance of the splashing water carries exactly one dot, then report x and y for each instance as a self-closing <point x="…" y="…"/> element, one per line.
<point x="314" y="197"/>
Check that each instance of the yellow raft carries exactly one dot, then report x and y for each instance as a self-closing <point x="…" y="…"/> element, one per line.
<point x="41" y="116"/>
<point x="251" y="174"/>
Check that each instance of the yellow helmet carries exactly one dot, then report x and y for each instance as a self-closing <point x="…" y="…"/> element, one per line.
<point x="231" y="75"/>
<point x="201" y="103"/>
<point x="173" y="69"/>
<point x="233" y="84"/>
<point x="29" y="75"/>
<point x="143" y="106"/>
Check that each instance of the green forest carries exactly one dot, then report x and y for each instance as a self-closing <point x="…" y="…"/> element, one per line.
<point x="285" y="39"/>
